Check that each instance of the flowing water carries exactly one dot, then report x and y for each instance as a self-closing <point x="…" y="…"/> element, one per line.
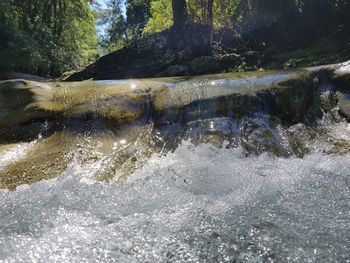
<point x="215" y="189"/>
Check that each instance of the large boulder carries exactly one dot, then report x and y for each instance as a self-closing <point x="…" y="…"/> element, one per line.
<point x="151" y="55"/>
<point x="175" y="70"/>
<point x="204" y="64"/>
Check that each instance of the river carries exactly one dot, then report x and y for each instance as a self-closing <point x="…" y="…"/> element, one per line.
<point x="190" y="189"/>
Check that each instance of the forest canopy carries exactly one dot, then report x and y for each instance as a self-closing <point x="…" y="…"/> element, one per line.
<point x="49" y="37"/>
<point x="46" y="37"/>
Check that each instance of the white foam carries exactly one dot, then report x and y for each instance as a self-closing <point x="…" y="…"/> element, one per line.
<point x="344" y="68"/>
<point x="198" y="204"/>
<point x="14" y="154"/>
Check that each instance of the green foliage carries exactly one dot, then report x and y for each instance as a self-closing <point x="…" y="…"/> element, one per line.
<point x="161" y="16"/>
<point x="121" y="29"/>
<point x="224" y="11"/>
<point x="114" y="24"/>
<point x="137" y="13"/>
<point x="46" y="37"/>
<point x="292" y="22"/>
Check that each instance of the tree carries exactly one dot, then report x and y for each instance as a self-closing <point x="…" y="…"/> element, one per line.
<point x="123" y="28"/>
<point x="137" y="13"/>
<point x="210" y="20"/>
<point x="46" y="37"/>
<point x="180" y="14"/>
<point x="161" y="16"/>
<point x="113" y="25"/>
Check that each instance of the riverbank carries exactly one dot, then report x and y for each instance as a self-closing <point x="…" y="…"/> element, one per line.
<point x="188" y="52"/>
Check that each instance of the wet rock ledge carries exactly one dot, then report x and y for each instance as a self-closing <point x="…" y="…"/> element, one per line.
<point x="28" y="108"/>
<point x="123" y="122"/>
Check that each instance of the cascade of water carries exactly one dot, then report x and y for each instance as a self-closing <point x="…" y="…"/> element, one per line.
<point x="217" y="168"/>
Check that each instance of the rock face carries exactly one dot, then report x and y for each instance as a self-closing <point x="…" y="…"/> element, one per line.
<point x="204" y="64"/>
<point x="128" y="120"/>
<point x="152" y="55"/>
<point x="28" y="109"/>
<point x="26" y="106"/>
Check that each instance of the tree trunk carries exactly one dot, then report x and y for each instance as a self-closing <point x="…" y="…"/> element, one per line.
<point x="210" y="20"/>
<point x="180" y="14"/>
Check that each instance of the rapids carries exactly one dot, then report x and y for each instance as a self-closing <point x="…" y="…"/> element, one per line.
<point x="214" y="169"/>
<point x="197" y="204"/>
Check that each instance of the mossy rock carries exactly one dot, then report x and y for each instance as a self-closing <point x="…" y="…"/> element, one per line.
<point x="26" y="107"/>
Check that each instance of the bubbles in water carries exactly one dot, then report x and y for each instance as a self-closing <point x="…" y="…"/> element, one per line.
<point x="198" y="203"/>
<point x="12" y="153"/>
<point x="213" y="189"/>
<point x="123" y="142"/>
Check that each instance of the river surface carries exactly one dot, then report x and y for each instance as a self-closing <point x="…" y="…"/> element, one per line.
<point x="202" y="188"/>
<point x="195" y="204"/>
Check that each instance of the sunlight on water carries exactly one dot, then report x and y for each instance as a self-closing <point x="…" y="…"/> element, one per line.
<point x="197" y="204"/>
<point x="194" y="179"/>
<point x="12" y="153"/>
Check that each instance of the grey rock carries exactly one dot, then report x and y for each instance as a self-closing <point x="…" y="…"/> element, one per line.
<point x="344" y="104"/>
<point x="175" y="70"/>
<point x="204" y="64"/>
